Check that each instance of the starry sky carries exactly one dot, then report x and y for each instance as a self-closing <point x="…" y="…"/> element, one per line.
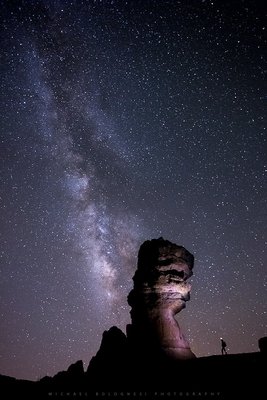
<point x="123" y="121"/>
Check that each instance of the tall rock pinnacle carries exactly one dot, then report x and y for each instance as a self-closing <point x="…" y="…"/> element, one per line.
<point x="160" y="292"/>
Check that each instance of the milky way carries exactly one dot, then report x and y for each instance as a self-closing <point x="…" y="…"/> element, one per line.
<point x="121" y="122"/>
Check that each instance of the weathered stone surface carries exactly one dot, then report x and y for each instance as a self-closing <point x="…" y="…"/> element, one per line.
<point x="160" y="292"/>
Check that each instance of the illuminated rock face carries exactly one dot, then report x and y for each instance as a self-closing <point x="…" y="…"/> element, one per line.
<point x="160" y="292"/>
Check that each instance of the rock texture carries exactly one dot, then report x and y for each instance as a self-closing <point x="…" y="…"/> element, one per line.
<point x="160" y="291"/>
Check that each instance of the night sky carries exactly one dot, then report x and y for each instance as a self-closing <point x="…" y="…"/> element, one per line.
<point x="124" y="121"/>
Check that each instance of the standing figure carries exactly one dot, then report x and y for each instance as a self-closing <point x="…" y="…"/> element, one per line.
<point x="223" y="344"/>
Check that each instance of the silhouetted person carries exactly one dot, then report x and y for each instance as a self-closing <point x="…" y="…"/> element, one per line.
<point x="223" y="347"/>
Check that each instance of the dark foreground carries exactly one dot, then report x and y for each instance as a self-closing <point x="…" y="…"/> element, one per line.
<point x="234" y="376"/>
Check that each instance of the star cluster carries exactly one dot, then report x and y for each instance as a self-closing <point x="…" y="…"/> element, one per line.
<point x="124" y="121"/>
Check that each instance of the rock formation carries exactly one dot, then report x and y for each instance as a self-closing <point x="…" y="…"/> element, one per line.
<point x="147" y="362"/>
<point x="160" y="292"/>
